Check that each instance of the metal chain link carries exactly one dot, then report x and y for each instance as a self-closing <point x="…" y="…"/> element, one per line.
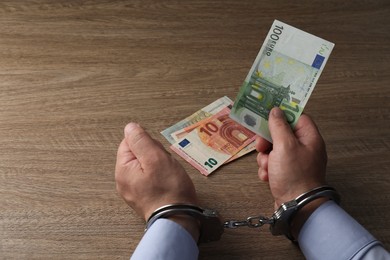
<point x="252" y="222"/>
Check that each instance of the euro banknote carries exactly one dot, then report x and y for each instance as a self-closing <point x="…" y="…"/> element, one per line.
<point x="283" y="75"/>
<point x="213" y="142"/>
<point x="183" y="132"/>
<point x="183" y="127"/>
<point x="199" y="115"/>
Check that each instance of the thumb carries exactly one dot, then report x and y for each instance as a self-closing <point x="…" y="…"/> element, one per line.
<point x="280" y="130"/>
<point x="140" y="143"/>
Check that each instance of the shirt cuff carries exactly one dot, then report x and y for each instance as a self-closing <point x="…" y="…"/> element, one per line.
<point x="330" y="233"/>
<point x="166" y="239"/>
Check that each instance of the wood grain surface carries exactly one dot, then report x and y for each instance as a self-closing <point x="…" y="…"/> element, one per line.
<point x="73" y="73"/>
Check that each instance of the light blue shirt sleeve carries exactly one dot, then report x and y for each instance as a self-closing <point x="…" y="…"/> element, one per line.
<point x="330" y="233"/>
<point x="164" y="240"/>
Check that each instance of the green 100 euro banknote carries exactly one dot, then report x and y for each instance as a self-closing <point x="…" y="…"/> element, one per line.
<point x="283" y="75"/>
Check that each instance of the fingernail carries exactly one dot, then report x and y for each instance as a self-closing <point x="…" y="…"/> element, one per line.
<point x="130" y="127"/>
<point x="277" y="112"/>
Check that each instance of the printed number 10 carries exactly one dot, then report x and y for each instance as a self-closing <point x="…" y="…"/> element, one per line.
<point x="211" y="162"/>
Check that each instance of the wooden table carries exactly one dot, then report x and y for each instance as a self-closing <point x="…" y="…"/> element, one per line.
<point x="73" y="73"/>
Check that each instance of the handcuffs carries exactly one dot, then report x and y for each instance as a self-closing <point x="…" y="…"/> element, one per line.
<point x="212" y="227"/>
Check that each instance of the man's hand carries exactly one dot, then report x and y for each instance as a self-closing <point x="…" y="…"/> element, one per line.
<point x="294" y="164"/>
<point x="148" y="177"/>
<point x="297" y="161"/>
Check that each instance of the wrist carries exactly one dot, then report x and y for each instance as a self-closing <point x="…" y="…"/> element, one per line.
<point x="291" y="215"/>
<point x="189" y="223"/>
<point x="204" y="224"/>
<point x="294" y="192"/>
<point x="303" y="214"/>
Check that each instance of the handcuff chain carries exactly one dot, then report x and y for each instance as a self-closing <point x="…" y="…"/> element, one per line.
<point x="249" y="222"/>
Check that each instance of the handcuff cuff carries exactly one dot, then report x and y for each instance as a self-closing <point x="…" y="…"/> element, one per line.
<point x="212" y="227"/>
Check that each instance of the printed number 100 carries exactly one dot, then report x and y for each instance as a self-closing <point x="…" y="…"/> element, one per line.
<point x="211" y="162"/>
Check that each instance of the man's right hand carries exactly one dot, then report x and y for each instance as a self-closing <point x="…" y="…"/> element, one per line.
<point x="296" y="162"/>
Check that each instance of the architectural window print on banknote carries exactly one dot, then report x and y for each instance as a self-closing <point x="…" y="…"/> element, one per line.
<point x="283" y="75"/>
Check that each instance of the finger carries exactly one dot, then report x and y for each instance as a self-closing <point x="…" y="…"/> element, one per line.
<point x="263" y="174"/>
<point x="280" y="130"/>
<point x="140" y="143"/>
<point x="261" y="158"/>
<point x="262" y="161"/>
<point x="262" y="145"/>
